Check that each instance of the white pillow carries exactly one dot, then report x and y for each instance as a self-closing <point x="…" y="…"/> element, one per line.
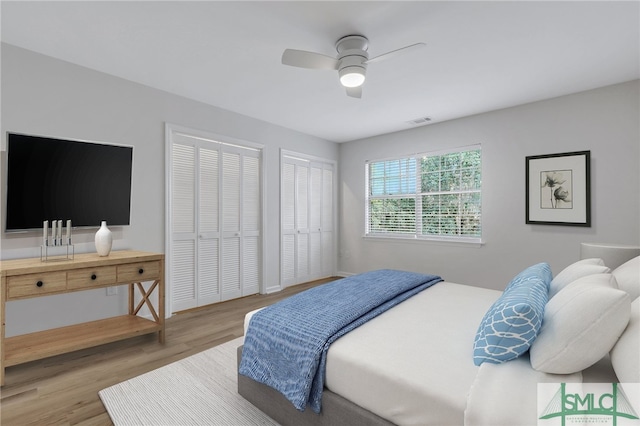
<point x="625" y="355"/>
<point x="602" y="280"/>
<point x="580" y="325"/>
<point x="574" y="271"/>
<point x="628" y="277"/>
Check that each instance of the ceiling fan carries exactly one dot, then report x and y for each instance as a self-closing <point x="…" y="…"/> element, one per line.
<point x="351" y="61"/>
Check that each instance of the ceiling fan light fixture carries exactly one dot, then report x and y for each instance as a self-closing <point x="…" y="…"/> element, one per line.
<point x="351" y="62"/>
<point x="352" y="76"/>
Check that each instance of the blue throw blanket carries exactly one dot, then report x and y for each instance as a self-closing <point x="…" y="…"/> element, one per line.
<point x="286" y="344"/>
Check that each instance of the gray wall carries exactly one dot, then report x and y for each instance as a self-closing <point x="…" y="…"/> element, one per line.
<point x="605" y="121"/>
<point x="45" y="96"/>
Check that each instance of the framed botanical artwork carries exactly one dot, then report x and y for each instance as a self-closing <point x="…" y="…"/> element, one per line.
<point x="559" y="189"/>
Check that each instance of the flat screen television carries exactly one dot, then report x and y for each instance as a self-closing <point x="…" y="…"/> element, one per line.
<point x="58" y="179"/>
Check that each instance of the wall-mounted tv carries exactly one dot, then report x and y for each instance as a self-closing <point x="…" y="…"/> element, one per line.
<point x="50" y="179"/>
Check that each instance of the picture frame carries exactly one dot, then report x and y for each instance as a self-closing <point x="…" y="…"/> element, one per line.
<point x="558" y="189"/>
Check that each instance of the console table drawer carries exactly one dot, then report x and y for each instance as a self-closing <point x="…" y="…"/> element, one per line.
<point x="91" y="277"/>
<point x="142" y="271"/>
<point x="32" y="285"/>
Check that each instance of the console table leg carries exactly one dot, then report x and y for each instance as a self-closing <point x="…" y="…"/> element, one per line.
<point x="161" y="304"/>
<point x="131" y="299"/>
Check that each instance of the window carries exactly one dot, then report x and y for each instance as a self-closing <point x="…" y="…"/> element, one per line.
<point x="430" y="196"/>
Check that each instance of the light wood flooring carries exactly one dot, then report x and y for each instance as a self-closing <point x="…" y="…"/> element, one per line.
<point x="63" y="390"/>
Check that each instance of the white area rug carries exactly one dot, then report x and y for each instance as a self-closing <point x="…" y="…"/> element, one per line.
<point x="198" y="390"/>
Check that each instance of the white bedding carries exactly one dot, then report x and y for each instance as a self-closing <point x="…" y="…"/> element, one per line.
<point x="506" y="394"/>
<point x="436" y="381"/>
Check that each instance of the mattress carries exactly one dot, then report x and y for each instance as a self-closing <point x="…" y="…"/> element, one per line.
<point x="428" y="384"/>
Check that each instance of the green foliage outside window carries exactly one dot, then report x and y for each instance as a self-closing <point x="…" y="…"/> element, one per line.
<point x="393" y="215"/>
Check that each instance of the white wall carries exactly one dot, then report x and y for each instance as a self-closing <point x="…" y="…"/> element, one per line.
<point x="45" y="96"/>
<point x="605" y="121"/>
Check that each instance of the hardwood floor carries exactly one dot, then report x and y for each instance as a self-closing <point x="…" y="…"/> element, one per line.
<point x="63" y="390"/>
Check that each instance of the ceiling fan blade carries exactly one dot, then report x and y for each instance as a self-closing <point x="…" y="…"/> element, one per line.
<point x="354" y="92"/>
<point x="304" y="59"/>
<point x="396" y="52"/>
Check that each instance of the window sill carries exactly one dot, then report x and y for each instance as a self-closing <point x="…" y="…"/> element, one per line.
<point x="460" y="242"/>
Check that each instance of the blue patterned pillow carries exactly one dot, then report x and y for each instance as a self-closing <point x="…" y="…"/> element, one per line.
<point x="513" y="321"/>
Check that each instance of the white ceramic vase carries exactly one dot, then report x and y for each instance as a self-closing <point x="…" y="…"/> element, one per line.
<point x="104" y="240"/>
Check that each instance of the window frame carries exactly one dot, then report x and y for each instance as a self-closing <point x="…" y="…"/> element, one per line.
<point x="417" y="195"/>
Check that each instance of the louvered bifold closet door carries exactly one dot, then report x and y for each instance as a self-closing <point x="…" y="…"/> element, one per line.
<point x="302" y="224"/>
<point x="327" y="226"/>
<point x="231" y="235"/>
<point x="241" y="222"/>
<point x="315" y="221"/>
<point x="208" y="227"/>
<point x="288" y="222"/>
<point x="183" y="223"/>
<point x="251" y="224"/>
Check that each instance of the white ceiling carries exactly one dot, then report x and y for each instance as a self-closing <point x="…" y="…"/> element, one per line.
<point x="480" y="56"/>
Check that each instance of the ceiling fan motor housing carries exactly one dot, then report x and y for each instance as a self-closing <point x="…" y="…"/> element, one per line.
<point x="352" y="57"/>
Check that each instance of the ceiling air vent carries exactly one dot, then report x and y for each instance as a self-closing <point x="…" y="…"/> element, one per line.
<point x="419" y="121"/>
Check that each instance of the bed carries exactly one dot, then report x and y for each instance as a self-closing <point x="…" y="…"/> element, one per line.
<point x="422" y="362"/>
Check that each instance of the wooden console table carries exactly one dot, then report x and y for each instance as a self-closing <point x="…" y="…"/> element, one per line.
<point x="26" y="278"/>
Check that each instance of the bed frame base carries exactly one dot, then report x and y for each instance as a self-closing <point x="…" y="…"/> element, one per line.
<point x="336" y="411"/>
